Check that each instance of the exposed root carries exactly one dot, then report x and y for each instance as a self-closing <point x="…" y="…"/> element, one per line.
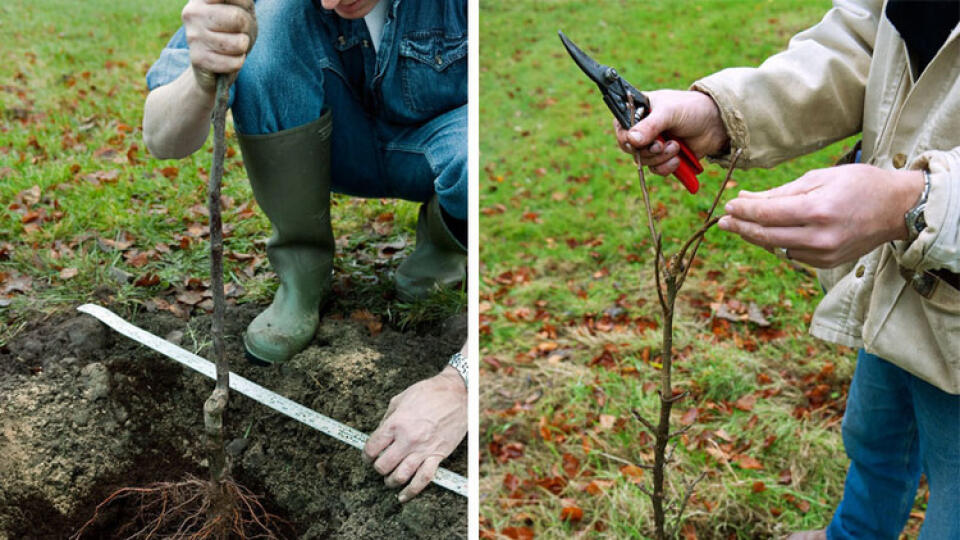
<point x="191" y="509"/>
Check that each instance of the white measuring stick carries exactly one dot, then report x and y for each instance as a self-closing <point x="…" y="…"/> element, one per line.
<point x="324" y="424"/>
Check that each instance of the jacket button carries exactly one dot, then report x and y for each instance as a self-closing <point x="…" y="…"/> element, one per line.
<point x="899" y="161"/>
<point x="860" y="271"/>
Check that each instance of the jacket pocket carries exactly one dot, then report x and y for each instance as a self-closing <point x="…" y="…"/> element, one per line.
<point x="943" y="312"/>
<point x="829" y="277"/>
<point x="921" y="335"/>
<point x="433" y="71"/>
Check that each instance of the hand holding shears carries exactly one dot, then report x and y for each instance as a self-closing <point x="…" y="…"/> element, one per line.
<point x="660" y="150"/>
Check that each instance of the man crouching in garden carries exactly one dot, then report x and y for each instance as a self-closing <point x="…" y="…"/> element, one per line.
<point x="362" y="97"/>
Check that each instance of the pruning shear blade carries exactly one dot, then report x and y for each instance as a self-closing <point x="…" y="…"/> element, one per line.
<point x="612" y="86"/>
<point x="617" y="94"/>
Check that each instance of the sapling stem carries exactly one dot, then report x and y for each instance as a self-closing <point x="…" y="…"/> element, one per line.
<point x="216" y="404"/>
<point x="669" y="276"/>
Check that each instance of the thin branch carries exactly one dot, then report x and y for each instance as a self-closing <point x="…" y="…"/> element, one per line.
<point x="696" y="236"/>
<point x="657" y="272"/>
<point x="631" y="108"/>
<point x="672" y="449"/>
<point x="680" y="431"/>
<point x="669" y="275"/>
<point x="686" y="498"/>
<point x="654" y="235"/>
<point x="726" y="180"/>
<point x="674" y="399"/>
<point x="646" y="196"/>
<point x="644" y="421"/>
<point x="709" y="221"/>
<point x="624" y="461"/>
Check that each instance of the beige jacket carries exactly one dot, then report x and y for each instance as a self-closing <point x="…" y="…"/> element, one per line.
<point x="851" y="73"/>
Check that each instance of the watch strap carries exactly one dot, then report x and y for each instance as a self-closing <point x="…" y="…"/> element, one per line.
<point x="914" y="217"/>
<point x="459" y="362"/>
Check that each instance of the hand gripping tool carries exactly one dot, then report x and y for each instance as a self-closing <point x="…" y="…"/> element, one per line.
<point x="615" y="91"/>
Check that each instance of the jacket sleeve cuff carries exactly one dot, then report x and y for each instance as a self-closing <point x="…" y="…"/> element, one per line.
<point x="938" y="245"/>
<point x="733" y="121"/>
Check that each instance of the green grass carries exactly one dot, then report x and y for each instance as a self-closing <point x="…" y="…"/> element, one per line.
<point x="564" y="241"/>
<point x="71" y="96"/>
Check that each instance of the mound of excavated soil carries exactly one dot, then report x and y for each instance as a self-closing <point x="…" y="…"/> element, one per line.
<point x="85" y="411"/>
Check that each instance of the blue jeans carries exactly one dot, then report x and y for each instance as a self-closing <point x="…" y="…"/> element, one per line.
<point x="399" y="115"/>
<point x="896" y="426"/>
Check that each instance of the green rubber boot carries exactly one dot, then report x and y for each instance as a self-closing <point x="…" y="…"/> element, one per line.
<point x="290" y="175"/>
<point x="439" y="260"/>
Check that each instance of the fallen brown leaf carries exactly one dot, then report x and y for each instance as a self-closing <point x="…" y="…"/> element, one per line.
<point x="571" y="465"/>
<point x="29" y="197"/>
<point x="596" y="487"/>
<point x="748" y="462"/>
<point x="368" y="319"/>
<point x="170" y="172"/>
<point x="632" y="472"/>
<point x="571" y="513"/>
<point x="517" y="533"/>
<point x="147" y="280"/>
<point x="746" y="403"/>
<point x="191" y="298"/>
<point x="785" y="478"/>
<point x="690" y="416"/>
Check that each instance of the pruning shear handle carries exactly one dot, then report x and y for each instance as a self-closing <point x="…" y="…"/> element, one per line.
<point x="618" y="94"/>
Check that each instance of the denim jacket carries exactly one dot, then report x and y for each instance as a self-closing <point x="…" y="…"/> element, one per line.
<point x="419" y="72"/>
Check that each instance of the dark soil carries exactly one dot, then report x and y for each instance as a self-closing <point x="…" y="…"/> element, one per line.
<point x="85" y="411"/>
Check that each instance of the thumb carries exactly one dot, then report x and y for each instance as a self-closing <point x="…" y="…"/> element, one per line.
<point x="644" y="132"/>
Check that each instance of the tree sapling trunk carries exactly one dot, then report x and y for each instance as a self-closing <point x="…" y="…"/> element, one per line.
<point x="216" y="404"/>
<point x="670" y="274"/>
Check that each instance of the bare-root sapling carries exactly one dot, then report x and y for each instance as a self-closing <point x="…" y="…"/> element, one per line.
<point x="217" y="508"/>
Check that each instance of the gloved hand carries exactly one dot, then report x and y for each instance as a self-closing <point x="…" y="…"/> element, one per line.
<point x="220" y="33"/>
<point x="422" y="426"/>
<point x="687" y="115"/>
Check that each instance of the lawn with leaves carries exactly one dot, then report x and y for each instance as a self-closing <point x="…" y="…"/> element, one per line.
<point x="89" y="215"/>
<point x="570" y="329"/>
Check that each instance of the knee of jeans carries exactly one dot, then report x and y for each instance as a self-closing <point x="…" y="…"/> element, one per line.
<point x="452" y="173"/>
<point x="869" y="443"/>
<point x="281" y="82"/>
<point x="270" y="98"/>
<point x="453" y="195"/>
<point x="859" y="436"/>
<point x="855" y="439"/>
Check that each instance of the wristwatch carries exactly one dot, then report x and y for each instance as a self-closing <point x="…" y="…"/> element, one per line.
<point x="459" y="363"/>
<point x="914" y="217"/>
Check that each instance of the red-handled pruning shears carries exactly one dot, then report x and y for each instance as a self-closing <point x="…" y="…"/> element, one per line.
<point x="615" y="91"/>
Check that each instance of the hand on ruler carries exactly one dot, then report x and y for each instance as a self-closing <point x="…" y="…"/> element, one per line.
<point x="422" y="426"/>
